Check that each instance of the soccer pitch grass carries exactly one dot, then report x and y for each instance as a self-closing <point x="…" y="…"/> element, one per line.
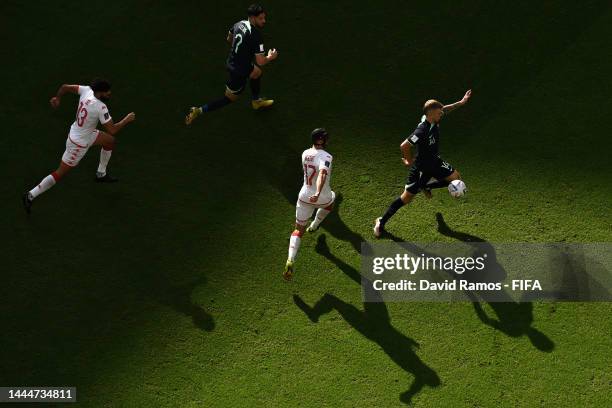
<point x="165" y="290"/>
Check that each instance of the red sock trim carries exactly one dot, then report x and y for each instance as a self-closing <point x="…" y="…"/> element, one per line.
<point x="297" y="233"/>
<point x="55" y="176"/>
<point x="108" y="148"/>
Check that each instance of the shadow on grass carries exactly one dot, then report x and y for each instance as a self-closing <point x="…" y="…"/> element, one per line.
<point x="374" y="323"/>
<point x="288" y="181"/>
<point x="178" y="297"/>
<point x="512" y="318"/>
<point x="338" y="229"/>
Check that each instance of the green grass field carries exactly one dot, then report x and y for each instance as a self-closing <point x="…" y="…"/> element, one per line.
<point x="165" y="290"/>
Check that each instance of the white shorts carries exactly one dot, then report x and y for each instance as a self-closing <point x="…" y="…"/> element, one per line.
<point x="303" y="210"/>
<point x="76" y="151"/>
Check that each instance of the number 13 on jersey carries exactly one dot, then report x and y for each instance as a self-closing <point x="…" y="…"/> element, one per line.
<point x="81" y="115"/>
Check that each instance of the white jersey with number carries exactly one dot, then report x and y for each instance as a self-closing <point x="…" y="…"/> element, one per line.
<point x="90" y="111"/>
<point x="313" y="160"/>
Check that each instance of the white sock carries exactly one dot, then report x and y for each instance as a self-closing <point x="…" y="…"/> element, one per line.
<point x="44" y="185"/>
<point x="294" y="245"/>
<point x="105" y="156"/>
<point x="321" y="214"/>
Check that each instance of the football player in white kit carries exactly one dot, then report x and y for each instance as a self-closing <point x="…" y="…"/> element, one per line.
<point x="316" y="194"/>
<point x="83" y="134"/>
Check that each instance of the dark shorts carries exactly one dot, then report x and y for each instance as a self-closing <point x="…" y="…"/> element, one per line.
<point x="420" y="174"/>
<point x="237" y="81"/>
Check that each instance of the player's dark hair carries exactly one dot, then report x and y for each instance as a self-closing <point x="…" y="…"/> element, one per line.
<point x="254" y="10"/>
<point x="100" y="85"/>
<point x="319" y="135"/>
<point x="431" y="105"/>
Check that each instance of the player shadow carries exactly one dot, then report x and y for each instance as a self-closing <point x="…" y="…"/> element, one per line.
<point x="178" y="297"/>
<point x="576" y="282"/>
<point x="338" y="229"/>
<point x="288" y="181"/>
<point x="374" y="323"/>
<point x="514" y="319"/>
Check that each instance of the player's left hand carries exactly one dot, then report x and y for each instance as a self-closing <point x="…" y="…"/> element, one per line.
<point x="55" y="102"/>
<point x="313" y="198"/>
<point x="466" y="97"/>
<point x="272" y="54"/>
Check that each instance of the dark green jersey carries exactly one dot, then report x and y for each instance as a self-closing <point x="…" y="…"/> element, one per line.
<point x="426" y="136"/>
<point x="247" y="42"/>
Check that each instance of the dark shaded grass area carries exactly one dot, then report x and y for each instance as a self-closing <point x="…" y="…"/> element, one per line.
<point x="96" y="269"/>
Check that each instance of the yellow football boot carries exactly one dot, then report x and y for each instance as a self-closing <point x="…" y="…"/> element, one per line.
<point x="261" y="103"/>
<point x="194" y="112"/>
<point x="288" y="274"/>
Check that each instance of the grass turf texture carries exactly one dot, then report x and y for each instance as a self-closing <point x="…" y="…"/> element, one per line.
<point x="165" y="289"/>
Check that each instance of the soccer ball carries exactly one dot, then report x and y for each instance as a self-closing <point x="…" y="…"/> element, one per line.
<point x="457" y="188"/>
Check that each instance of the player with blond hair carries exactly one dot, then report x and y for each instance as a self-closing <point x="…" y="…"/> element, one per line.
<point x="427" y="163"/>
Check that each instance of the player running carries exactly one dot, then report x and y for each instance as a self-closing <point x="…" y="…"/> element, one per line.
<point x="83" y="134"/>
<point x="247" y="45"/>
<point x="315" y="193"/>
<point x="427" y="164"/>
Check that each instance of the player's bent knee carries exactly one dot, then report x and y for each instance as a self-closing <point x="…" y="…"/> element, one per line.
<point x="105" y="140"/>
<point x="231" y="96"/>
<point x="329" y="207"/>
<point x="256" y="73"/>
<point x="454" y="176"/>
<point x="109" y="146"/>
<point x="406" y="196"/>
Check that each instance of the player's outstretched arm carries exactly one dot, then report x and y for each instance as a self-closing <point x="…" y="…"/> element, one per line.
<point x="463" y="101"/>
<point x="230" y="37"/>
<point x="406" y="153"/>
<point x="55" y="101"/>
<point x="262" y="59"/>
<point x="114" y="128"/>
<point x="320" y="183"/>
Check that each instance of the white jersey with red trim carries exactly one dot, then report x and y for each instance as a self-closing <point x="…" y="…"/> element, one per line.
<point x="313" y="160"/>
<point x="91" y="110"/>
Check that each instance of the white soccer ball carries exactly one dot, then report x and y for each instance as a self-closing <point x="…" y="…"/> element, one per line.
<point x="457" y="188"/>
